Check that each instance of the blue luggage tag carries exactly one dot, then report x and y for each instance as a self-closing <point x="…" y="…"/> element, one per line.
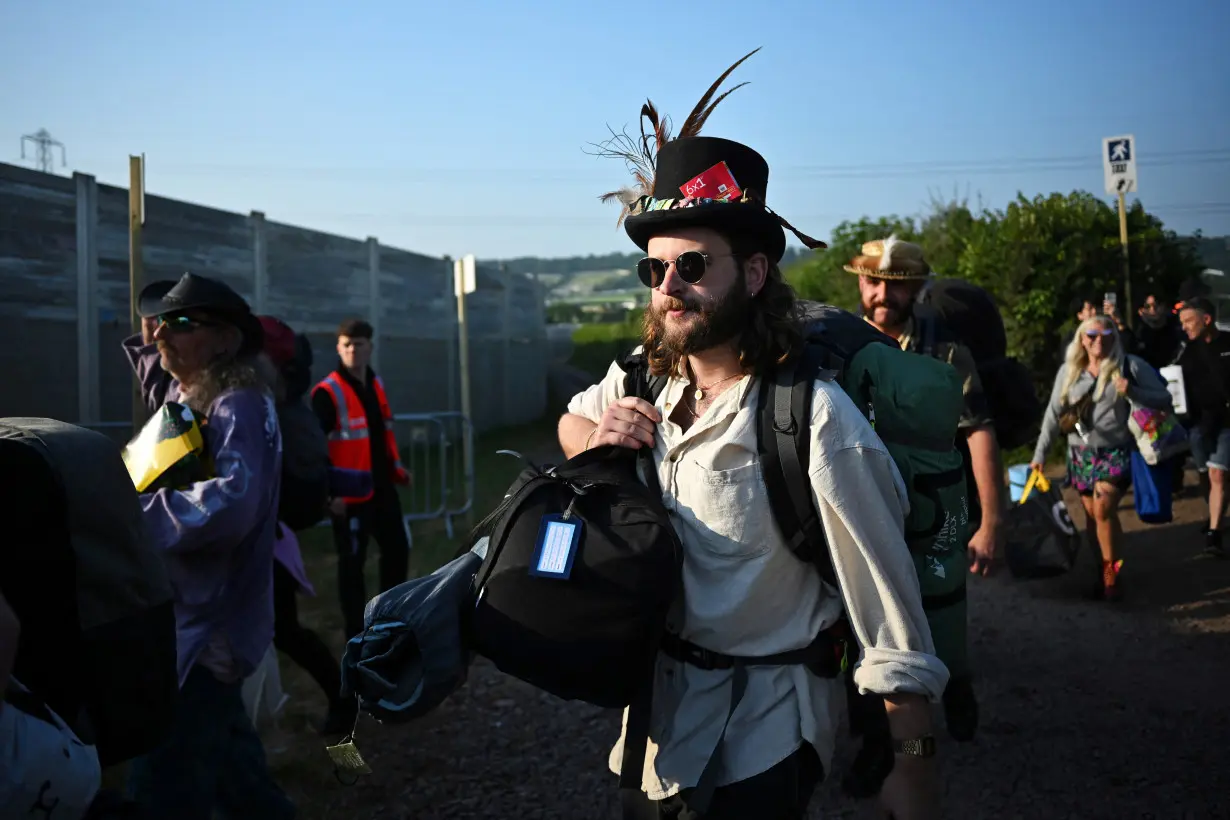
<point x="559" y="538"/>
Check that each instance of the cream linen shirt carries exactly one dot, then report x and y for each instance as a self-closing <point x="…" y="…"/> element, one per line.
<point x="745" y="593"/>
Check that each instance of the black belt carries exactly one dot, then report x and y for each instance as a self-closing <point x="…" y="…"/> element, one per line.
<point x="825" y="657"/>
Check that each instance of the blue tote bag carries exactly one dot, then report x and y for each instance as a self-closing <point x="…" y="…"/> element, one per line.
<point x="1152" y="486"/>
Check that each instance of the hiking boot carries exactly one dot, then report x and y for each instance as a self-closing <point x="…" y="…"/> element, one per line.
<point x="1212" y="544"/>
<point x="961" y="709"/>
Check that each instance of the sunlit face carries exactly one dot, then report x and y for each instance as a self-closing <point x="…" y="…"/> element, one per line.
<point x="355" y="352"/>
<point x="694" y="316"/>
<point x="189" y="341"/>
<point x="1195" y="322"/>
<point x="1098" y="341"/>
<point x="887" y="302"/>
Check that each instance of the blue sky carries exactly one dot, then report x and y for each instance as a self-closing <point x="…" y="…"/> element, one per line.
<point x="460" y="127"/>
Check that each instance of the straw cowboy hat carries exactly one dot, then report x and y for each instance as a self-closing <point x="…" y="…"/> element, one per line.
<point x="890" y="259"/>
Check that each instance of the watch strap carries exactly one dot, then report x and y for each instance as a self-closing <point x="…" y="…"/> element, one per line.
<point x="915" y="747"/>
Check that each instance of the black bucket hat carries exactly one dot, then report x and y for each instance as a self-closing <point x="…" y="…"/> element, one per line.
<point x="210" y="296"/>
<point x="695" y="181"/>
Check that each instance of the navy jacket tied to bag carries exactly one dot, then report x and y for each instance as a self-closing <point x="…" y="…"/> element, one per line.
<point x="411" y="655"/>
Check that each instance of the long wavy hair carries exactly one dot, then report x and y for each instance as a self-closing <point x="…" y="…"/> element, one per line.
<point x="771" y="335"/>
<point x="1077" y="358"/>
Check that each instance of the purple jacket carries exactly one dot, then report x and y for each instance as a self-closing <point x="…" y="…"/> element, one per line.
<point x="217" y="536"/>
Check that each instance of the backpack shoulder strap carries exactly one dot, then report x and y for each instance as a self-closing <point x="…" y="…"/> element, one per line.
<point x="784" y="441"/>
<point x="638" y="381"/>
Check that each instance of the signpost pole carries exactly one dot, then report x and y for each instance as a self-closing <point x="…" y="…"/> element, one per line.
<point x="1119" y="167"/>
<point x="1128" y="313"/>
<point x="136" y="219"/>
<point x="465" y="281"/>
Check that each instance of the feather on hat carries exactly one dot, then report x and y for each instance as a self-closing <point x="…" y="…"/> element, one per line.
<point x="890" y="258"/>
<point x="662" y="164"/>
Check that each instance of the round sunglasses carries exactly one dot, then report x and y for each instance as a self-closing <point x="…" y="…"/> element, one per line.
<point x="690" y="266"/>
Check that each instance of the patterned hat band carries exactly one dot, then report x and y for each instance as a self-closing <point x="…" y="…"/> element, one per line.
<point x="648" y="204"/>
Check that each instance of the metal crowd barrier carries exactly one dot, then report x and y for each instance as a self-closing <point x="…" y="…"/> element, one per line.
<point x="437" y="449"/>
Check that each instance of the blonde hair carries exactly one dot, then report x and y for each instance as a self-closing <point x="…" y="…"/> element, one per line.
<point x="1077" y="358"/>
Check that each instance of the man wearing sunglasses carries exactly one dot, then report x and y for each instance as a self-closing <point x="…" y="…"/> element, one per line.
<point x="200" y="346"/>
<point x="720" y="318"/>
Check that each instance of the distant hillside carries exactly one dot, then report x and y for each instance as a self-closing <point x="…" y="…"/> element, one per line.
<point x="1214" y="252"/>
<point x="593" y="278"/>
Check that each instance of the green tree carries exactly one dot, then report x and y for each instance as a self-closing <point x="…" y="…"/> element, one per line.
<point x="819" y="275"/>
<point x="1038" y="254"/>
<point x="1034" y="257"/>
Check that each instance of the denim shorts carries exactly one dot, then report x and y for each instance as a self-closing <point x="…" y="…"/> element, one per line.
<point x="1218" y="457"/>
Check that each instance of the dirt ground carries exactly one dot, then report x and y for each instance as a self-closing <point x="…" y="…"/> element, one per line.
<point x="1089" y="710"/>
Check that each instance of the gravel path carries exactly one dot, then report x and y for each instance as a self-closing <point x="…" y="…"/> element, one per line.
<point x="1089" y="711"/>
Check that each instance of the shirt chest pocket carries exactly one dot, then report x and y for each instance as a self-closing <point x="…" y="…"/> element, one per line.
<point x="727" y="510"/>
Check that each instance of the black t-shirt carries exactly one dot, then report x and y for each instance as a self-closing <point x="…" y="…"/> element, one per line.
<point x="1206" y="376"/>
<point x="322" y="404"/>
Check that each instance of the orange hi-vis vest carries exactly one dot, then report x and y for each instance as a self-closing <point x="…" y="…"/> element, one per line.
<point x="349" y="446"/>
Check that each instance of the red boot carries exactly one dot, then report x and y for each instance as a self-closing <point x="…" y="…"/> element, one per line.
<point x="1111" y="589"/>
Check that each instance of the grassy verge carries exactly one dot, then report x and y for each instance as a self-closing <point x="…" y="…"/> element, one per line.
<point x="595" y="346"/>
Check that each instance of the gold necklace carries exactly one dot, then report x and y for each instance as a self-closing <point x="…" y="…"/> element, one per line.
<point x="700" y="391"/>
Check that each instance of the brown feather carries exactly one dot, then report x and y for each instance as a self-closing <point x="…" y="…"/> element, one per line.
<point x="702" y="110"/>
<point x="641" y="157"/>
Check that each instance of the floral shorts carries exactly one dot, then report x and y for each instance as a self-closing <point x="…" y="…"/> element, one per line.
<point x="1089" y="465"/>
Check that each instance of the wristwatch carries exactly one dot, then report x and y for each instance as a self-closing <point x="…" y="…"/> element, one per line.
<point x="916" y="747"/>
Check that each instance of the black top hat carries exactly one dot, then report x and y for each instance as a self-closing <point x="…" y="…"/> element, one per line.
<point x="695" y="181"/>
<point x="200" y="293"/>
<point x="708" y="182"/>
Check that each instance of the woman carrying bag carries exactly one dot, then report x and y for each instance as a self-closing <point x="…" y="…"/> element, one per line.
<point x="1090" y="403"/>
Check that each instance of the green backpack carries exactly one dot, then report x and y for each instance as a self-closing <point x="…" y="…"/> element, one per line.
<point x="914" y="402"/>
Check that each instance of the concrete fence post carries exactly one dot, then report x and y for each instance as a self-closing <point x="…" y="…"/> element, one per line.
<point x="373" y="272"/>
<point x="260" y="264"/>
<point x="88" y="384"/>
<point x="510" y="407"/>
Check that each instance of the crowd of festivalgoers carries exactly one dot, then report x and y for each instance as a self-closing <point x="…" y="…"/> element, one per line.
<point x="287" y="448"/>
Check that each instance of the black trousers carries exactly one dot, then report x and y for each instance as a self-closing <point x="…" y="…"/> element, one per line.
<point x="302" y="645"/>
<point x="781" y="793"/>
<point x="381" y="519"/>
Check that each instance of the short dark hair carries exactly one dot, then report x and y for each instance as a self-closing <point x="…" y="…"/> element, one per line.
<point x="1078" y="303"/>
<point x="355" y="329"/>
<point x="1199" y="303"/>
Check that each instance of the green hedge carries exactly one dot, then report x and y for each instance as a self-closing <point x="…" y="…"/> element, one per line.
<point x="595" y="346"/>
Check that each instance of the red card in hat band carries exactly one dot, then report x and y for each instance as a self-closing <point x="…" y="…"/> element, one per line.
<point x="716" y="183"/>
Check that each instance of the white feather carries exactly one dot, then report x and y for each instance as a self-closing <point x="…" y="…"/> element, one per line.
<point x="886" y="258"/>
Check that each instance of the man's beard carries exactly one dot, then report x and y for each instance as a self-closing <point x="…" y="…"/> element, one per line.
<point x="895" y="317"/>
<point x="708" y="324"/>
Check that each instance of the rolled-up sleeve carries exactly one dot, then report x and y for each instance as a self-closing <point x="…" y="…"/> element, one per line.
<point x="593" y="401"/>
<point x="862" y="503"/>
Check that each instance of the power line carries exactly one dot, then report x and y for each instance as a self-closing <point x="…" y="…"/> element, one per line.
<point x="45" y="145"/>
<point x="1001" y="165"/>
